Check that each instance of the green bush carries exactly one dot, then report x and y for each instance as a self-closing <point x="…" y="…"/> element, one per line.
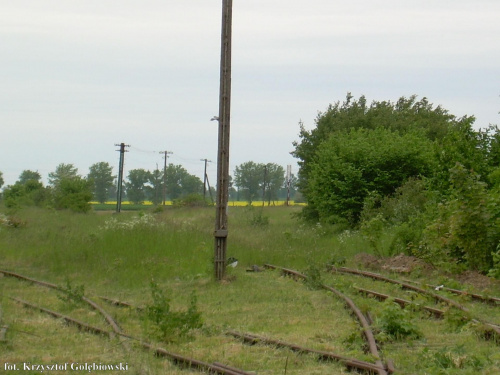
<point x="395" y="322"/>
<point x="168" y="324"/>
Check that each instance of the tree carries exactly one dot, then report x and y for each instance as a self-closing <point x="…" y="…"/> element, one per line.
<point x="1" y="179"/>
<point x="73" y="193"/>
<point x="180" y="183"/>
<point x="274" y="181"/>
<point x="62" y="172"/>
<point x="101" y="176"/>
<point x="136" y="185"/>
<point x="28" y="175"/>
<point x="248" y="177"/>
<point x="155" y="188"/>
<point x="405" y="115"/>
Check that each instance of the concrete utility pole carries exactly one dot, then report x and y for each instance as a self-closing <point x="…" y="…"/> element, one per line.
<point x="221" y="231"/>
<point x="166" y="153"/>
<point x="119" y="189"/>
<point x="205" y="178"/>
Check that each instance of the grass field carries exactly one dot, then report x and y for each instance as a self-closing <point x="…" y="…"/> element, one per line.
<point x="117" y="256"/>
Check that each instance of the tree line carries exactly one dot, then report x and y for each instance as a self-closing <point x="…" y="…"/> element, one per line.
<point x="410" y="176"/>
<point x="67" y="189"/>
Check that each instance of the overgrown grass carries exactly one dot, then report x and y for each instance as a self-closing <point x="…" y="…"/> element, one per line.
<point x="102" y="253"/>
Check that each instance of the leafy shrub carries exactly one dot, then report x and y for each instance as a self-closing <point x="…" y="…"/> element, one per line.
<point x="446" y="358"/>
<point x="256" y="217"/>
<point x="395" y="323"/>
<point x="466" y="228"/>
<point x="168" y="324"/>
<point x="72" y="294"/>
<point x="313" y="280"/>
<point x="191" y="200"/>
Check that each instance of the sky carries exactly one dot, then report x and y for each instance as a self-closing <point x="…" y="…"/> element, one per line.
<point x="78" y="77"/>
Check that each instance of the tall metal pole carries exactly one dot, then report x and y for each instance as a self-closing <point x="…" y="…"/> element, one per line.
<point x="221" y="230"/>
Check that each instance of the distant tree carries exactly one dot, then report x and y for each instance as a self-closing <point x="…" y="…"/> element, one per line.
<point x="73" y="193"/>
<point x="249" y="177"/>
<point x="155" y="187"/>
<point x="135" y="185"/>
<point x="274" y="181"/>
<point x="28" y="175"/>
<point x="180" y="183"/>
<point x="1" y="179"/>
<point x="27" y="191"/>
<point x="101" y="176"/>
<point x="62" y="172"/>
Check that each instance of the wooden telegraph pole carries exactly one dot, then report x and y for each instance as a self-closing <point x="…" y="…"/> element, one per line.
<point x="119" y="187"/>
<point x="221" y="231"/>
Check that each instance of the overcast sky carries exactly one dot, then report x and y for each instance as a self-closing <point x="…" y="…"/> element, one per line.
<point x="79" y="76"/>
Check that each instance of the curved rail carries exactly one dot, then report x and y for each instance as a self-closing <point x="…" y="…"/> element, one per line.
<point x="361" y="318"/>
<point x="493" y="327"/>
<point x="178" y="359"/>
<point x="322" y="355"/>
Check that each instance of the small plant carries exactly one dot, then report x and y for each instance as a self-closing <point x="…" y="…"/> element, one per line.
<point x="168" y="324"/>
<point x="338" y="261"/>
<point x="395" y="322"/>
<point x="257" y="218"/>
<point x="313" y="280"/>
<point x="456" y="319"/>
<point x="72" y="294"/>
<point x="452" y="358"/>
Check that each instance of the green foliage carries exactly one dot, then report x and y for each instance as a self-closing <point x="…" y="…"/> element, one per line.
<point x="446" y="360"/>
<point x="135" y="186"/>
<point x="495" y="270"/>
<point x="191" y="200"/>
<point x="29" y="193"/>
<point x="62" y="172"/>
<point x="180" y="183"/>
<point x="467" y="226"/>
<point x="72" y="294"/>
<point x="313" y="280"/>
<point x="28" y="175"/>
<point x="395" y="322"/>
<point x="253" y="178"/>
<point x="74" y="194"/>
<point x="405" y="115"/>
<point x="102" y="178"/>
<point x="351" y="165"/>
<point x="167" y="324"/>
<point x="256" y="217"/>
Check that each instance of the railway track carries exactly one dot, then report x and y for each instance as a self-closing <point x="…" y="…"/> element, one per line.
<point x="367" y="331"/>
<point x="116" y="331"/>
<point x="379" y="366"/>
<point x="492" y="328"/>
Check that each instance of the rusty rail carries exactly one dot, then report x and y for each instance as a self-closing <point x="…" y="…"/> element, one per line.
<point x="114" y="325"/>
<point x="478" y="297"/>
<point x="176" y="358"/>
<point x="494" y="328"/>
<point x="372" y="345"/>
<point x="322" y="355"/>
<point x="400" y="301"/>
